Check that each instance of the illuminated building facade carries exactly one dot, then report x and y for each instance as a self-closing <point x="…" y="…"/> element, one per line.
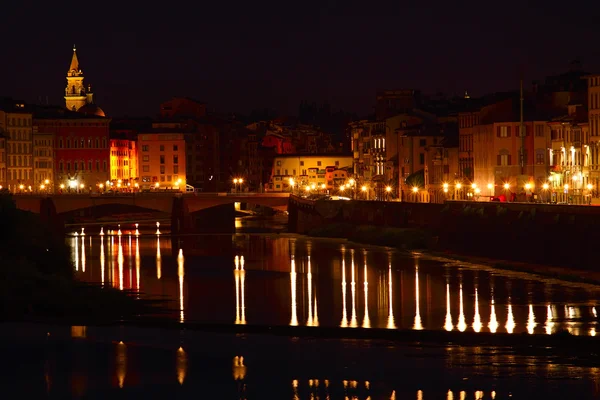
<point x="2" y="162"/>
<point x="594" y="130"/>
<point x="81" y="148"/>
<point x="16" y="126"/>
<point x="123" y="162"/>
<point x="43" y="161"/>
<point x="161" y="161"/>
<point x="307" y="170"/>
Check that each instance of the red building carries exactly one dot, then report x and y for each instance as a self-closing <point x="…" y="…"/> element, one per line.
<point x="81" y="148"/>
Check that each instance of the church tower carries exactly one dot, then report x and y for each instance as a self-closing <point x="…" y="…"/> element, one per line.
<point x="76" y="95"/>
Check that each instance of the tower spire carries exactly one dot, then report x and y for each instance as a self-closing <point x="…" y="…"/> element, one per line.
<point x="74" y="61"/>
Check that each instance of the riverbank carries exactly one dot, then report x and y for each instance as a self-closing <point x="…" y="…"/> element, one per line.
<point x="414" y="239"/>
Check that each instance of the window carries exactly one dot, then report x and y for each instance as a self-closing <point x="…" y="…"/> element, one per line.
<point x="422" y="158"/>
<point x="504" y="158"/>
<point x="540" y="156"/>
<point x="145" y="168"/>
<point x="318" y="163"/>
<point x="145" y="148"/>
<point x="279" y="163"/>
<point x="175" y="148"/>
<point x="175" y="159"/>
<point x="162" y="147"/>
<point x="302" y="164"/>
<point x="503" y="131"/>
<point x="176" y="169"/>
<point x="162" y="169"/>
<point x="146" y="158"/>
<point x="162" y="159"/>
<point x="422" y="142"/>
<point x="337" y="163"/>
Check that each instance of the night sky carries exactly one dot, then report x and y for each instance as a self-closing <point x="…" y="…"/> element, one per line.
<point x="239" y="56"/>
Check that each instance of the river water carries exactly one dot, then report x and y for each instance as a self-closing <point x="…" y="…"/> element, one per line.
<point x="282" y="279"/>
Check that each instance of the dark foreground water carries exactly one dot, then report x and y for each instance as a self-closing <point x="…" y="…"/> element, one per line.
<point x="127" y="363"/>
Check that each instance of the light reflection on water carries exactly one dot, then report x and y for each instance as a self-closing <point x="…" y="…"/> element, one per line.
<point x="132" y="365"/>
<point x="437" y="295"/>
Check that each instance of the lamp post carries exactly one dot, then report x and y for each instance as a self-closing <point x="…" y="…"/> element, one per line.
<point x="292" y="185"/>
<point x="415" y="190"/>
<point x="388" y="190"/>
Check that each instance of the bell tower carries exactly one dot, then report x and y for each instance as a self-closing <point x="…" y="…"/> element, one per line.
<point x="75" y="93"/>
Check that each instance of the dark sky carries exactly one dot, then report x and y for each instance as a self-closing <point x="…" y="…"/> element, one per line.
<point x="238" y="56"/>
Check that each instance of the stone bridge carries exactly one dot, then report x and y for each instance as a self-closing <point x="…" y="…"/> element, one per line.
<point x="179" y="206"/>
<point x="157" y="202"/>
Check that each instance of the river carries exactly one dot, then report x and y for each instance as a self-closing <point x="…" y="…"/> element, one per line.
<point x="282" y="279"/>
<point x="276" y="278"/>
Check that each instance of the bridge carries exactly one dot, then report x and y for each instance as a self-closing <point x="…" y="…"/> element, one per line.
<point x="179" y="205"/>
<point x="162" y="202"/>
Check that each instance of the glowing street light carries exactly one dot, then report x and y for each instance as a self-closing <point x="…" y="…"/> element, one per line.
<point x="157" y="185"/>
<point x="415" y="189"/>
<point x="589" y="186"/>
<point x="458" y="186"/>
<point x="363" y="188"/>
<point x="388" y="189"/>
<point x="528" y="186"/>
<point x="323" y="186"/>
<point x="507" y="186"/>
<point x="545" y="186"/>
<point x="490" y="186"/>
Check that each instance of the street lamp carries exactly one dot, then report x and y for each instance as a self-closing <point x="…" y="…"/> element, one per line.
<point x="388" y="190"/>
<point x="292" y="185"/>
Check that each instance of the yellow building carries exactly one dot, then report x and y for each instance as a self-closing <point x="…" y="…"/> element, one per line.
<point x="16" y="125"/>
<point x="161" y="161"/>
<point x="304" y="170"/>
<point x="123" y="162"/>
<point x="43" y="161"/>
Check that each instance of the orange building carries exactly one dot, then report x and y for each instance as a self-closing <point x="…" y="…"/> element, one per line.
<point x="161" y="161"/>
<point x="123" y="163"/>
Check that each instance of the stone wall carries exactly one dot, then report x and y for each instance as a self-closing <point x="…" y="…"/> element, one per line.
<point x="546" y="234"/>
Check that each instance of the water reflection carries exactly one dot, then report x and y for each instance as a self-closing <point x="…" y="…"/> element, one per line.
<point x="121" y="364"/>
<point x="510" y="319"/>
<point x="180" y="275"/>
<point x="344" y="322"/>
<point x="418" y="325"/>
<point x="181" y="365"/>
<point x="379" y="295"/>
<point x="448" y="322"/>
<point x="353" y="322"/>
<point x="83" y="254"/>
<point x="391" y="324"/>
<point x="294" y="318"/>
<point x="493" y="325"/>
<point x="137" y="264"/>
<point x="120" y="264"/>
<point x="462" y="324"/>
<point x="477" y="325"/>
<point x="158" y="259"/>
<point x="240" y="295"/>
<point x="366" y="320"/>
<point x="531" y="320"/>
<point x="102" y="260"/>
